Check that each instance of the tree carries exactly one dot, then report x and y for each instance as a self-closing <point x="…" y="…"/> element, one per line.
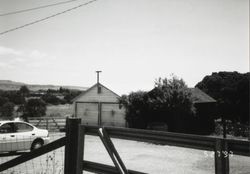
<point x="63" y="90"/>
<point x="34" y="108"/>
<point x="24" y="91"/>
<point x="70" y="95"/>
<point x="136" y="109"/>
<point x="13" y="96"/>
<point x="3" y="100"/>
<point x="170" y="101"/>
<point x="7" y="109"/>
<point x="231" y="90"/>
<point x="51" y="99"/>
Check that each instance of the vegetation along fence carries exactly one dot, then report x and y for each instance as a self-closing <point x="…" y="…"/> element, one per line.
<point x="235" y="129"/>
<point x="74" y="162"/>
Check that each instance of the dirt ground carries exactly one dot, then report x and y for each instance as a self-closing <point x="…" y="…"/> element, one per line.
<point x="158" y="159"/>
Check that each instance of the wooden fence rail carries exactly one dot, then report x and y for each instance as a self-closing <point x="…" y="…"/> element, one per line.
<point x="50" y="123"/>
<point x="102" y="168"/>
<point x="74" y="147"/>
<point x="221" y="147"/>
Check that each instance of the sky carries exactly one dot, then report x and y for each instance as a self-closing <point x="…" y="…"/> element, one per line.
<point x="133" y="42"/>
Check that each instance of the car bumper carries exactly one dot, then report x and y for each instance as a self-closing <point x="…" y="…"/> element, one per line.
<point x="46" y="140"/>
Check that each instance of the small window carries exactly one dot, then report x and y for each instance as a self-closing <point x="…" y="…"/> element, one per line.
<point x="99" y="89"/>
<point x="7" y="128"/>
<point x="23" y="127"/>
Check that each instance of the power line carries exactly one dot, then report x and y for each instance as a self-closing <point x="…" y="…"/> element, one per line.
<point x="46" y="18"/>
<point x="36" y="8"/>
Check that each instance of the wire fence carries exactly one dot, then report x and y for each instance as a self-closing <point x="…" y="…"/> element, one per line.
<point x="50" y="163"/>
<point x="158" y="152"/>
<point x="51" y="122"/>
<point x="233" y="129"/>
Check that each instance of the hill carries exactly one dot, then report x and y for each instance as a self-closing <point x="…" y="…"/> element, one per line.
<point x="12" y="85"/>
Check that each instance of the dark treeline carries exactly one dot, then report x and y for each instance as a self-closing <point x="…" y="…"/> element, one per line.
<point x="231" y="90"/>
<point x="170" y="103"/>
<point x="33" y="103"/>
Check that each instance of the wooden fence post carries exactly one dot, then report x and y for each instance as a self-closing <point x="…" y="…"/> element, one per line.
<point x="99" y="114"/>
<point x="221" y="157"/>
<point x="74" y="146"/>
<point x="47" y="123"/>
<point x="75" y="109"/>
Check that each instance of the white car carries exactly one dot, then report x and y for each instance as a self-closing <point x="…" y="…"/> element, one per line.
<point x="21" y="136"/>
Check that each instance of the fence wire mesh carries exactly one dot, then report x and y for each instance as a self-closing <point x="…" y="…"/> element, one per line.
<point x="135" y="154"/>
<point x="49" y="163"/>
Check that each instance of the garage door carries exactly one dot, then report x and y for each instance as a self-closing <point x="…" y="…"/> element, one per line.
<point x="112" y="115"/>
<point x="88" y="112"/>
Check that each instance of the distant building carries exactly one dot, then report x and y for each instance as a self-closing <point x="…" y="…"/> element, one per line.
<point x="202" y="123"/>
<point x="201" y="97"/>
<point x="205" y="111"/>
<point x="98" y="105"/>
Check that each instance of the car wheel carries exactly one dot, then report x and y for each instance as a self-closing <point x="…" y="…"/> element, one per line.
<point x="36" y="144"/>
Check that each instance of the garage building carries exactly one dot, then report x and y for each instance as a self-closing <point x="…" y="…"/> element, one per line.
<point x="98" y="105"/>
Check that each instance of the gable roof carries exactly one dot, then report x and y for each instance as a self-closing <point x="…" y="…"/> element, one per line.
<point x="95" y="85"/>
<point x="200" y="96"/>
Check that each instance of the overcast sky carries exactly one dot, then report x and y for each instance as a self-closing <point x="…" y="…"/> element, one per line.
<point x="132" y="41"/>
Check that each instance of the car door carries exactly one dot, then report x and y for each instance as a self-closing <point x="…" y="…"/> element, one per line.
<point x="7" y="138"/>
<point x="24" y="135"/>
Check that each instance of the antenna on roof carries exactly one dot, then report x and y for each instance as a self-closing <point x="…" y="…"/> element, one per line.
<point x="98" y="76"/>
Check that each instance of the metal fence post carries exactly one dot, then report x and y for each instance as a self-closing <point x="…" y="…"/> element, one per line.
<point x="74" y="146"/>
<point x="221" y="157"/>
